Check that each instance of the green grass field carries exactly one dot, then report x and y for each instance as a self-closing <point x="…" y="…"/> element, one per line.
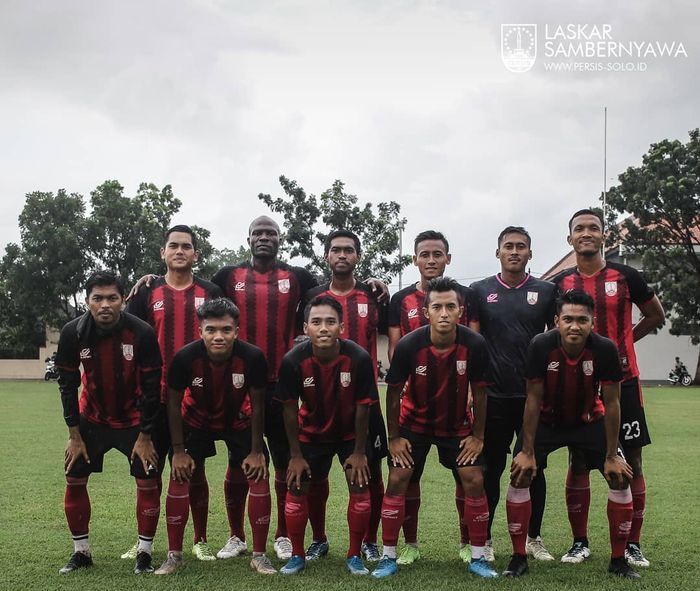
<point x="35" y="543"/>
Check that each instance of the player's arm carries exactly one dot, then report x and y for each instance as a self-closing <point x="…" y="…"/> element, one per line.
<point x="472" y="446"/>
<point x="145" y="280"/>
<point x="255" y="465"/>
<point x="652" y="318"/>
<point x="394" y="336"/>
<point x="524" y="466"/>
<point x="399" y="448"/>
<point x="182" y="464"/>
<point x="616" y="470"/>
<point x="357" y="462"/>
<point x="150" y="371"/>
<point x="379" y="289"/>
<point x="297" y="464"/>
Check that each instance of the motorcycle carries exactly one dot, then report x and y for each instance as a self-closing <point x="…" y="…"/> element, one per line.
<point x="51" y="371"/>
<point x="680" y="376"/>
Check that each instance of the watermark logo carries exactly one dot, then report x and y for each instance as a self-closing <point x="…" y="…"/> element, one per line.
<point x="518" y="47"/>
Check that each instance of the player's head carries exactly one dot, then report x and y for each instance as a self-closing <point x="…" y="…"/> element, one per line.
<point x="104" y="297"/>
<point x="218" y="326"/>
<point x="514" y="249"/>
<point x="264" y="238"/>
<point x="342" y="251"/>
<point x="443" y="304"/>
<point x="586" y="232"/>
<point x="323" y="322"/>
<point x="574" y="318"/>
<point x="431" y="254"/>
<point x="179" y="251"/>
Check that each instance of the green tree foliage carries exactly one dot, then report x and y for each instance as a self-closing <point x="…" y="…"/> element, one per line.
<point x="217" y="259"/>
<point x="308" y="220"/>
<point x="663" y="197"/>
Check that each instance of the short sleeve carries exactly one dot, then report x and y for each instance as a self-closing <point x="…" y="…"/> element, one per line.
<point x="480" y="361"/>
<point x="256" y="367"/>
<point x="138" y="305"/>
<point x="609" y="370"/>
<point x="536" y="364"/>
<point x="287" y="389"/>
<point x="366" y="390"/>
<point x="400" y="369"/>
<point x="394" y="314"/>
<point x="640" y="292"/>
<point x="180" y="371"/>
<point x="149" y="352"/>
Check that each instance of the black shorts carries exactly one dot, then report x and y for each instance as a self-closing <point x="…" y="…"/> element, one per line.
<point x="448" y="450"/>
<point x="160" y="435"/>
<point x="201" y="444"/>
<point x="377" y="445"/>
<point x="275" y="432"/>
<point x="320" y="456"/>
<point x="504" y="420"/>
<point x="633" y="422"/>
<point x="588" y="438"/>
<point x="99" y="439"/>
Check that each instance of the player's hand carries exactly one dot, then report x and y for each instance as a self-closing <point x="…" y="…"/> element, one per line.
<point x="75" y="449"/>
<point x="380" y="288"/>
<point x="182" y="466"/>
<point x="295" y="471"/>
<point x="146" y="452"/>
<point x="617" y="472"/>
<point x="146" y="279"/>
<point x="522" y="469"/>
<point x="359" y="470"/>
<point x="400" y="451"/>
<point x="470" y="449"/>
<point x="255" y="466"/>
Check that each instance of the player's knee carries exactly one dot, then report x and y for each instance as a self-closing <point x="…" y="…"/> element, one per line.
<point x="398" y="480"/>
<point x="472" y="481"/>
<point x="634" y="459"/>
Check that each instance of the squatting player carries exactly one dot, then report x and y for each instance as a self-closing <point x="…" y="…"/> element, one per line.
<point x="614" y="288"/>
<point x="335" y="381"/>
<point x="121" y="365"/>
<point x="513" y="308"/>
<point x="566" y="369"/>
<point x="437" y="364"/>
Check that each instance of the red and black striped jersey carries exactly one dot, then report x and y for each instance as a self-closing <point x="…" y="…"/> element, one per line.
<point x="217" y="394"/>
<point x="614" y="289"/>
<point x="121" y="370"/>
<point x="406" y="308"/>
<point x="572" y="386"/>
<point x="436" y="384"/>
<point x="268" y="303"/>
<point x="329" y="392"/>
<point x="173" y="315"/>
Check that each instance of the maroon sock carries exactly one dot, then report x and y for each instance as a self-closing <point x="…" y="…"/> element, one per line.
<point x="376" y="495"/>
<point x="578" y="502"/>
<point x="296" y="511"/>
<point x="235" y="493"/>
<point x="77" y="506"/>
<point x="259" y="508"/>
<point x="639" y="502"/>
<point x="393" y="513"/>
<point x="518" y="510"/>
<point x="280" y="497"/>
<point x="476" y="517"/>
<point x="359" y="510"/>
<point x="620" y="520"/>
<point x="318" y="498"/>
<point x="177" y="509"/>
<point x="199" y="503"/>
<point x="459" y="503"/>
<point x="410" y="522"/>
<point x="147" y="507"/>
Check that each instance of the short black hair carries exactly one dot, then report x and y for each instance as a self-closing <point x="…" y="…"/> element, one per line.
<point x="576" y="297"/>
<point x="341" y="234"/>
<point x="430" y="235"/>
<point x="185" y="230"/>
<point x="442" y="285"/>
<point x="588" y="211"/>
<point x="104" y="279"/>
<point x="324" y="300"/>
<point x="218" y="308"/>
<point x="515" y="230"/>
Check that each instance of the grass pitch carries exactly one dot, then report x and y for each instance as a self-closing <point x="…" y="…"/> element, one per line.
<point x="35" y="542"/>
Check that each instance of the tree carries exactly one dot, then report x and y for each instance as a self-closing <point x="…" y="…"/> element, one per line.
<point x="663" y="197"/>
<point x="216" y="259"/>
<point x="308" y="220"/>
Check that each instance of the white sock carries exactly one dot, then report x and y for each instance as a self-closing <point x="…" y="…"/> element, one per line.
<point x="81" y="544"/>
<point x="145" y="545"/>
<point x="390" y="552"/>
<point x="477" y="552"/>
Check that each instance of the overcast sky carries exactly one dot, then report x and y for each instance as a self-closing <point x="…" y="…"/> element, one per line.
<point x="405" y="101"/>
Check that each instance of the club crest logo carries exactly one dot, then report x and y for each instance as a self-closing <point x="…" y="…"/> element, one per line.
<point x="158" y="305"/>
<point x="345" y="378"/>
<point x="85" y="354"/>
<point x="128" y="351"/>
<point x="610" y="288"/>
<point x="412" y="313"/>
<point x="491" y="298"/>
<point x="240" y="286"/>
<point x="197" y="382"/>
<point x="238" y="380"/>
<point x="532" y="297"/>
<point x="587" y="367"/>
<point x="198" y="302"/>
<point x="362" y="310"/>
<point x="518" y="47"/>
<point x="461" y="366"/>
<point x="422" y="370"/>
<point x="283" y="285"/>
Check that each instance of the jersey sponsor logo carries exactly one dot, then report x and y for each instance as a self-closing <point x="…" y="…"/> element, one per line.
<point x="238" y="380"/>
<point x="422" y="370"/>
<point x="624" y="362"/>
<point x="283" y="285"/>
<point x="412" y="313"/>
<point x="532" y="297"/>
<point x="128" y="351"/>
<point x="610" y="288"/>
<point x="390" y="513"/>
<point x="362" y="310"/>
<point x="492" y="298"/>
<point x="85" y="354"/>
<point x="553" y="366"/>
<point x="461" y="366"/>
<point x="587" y="367"/>
<point x="198" y="302"/>
<point x="345" y="378"/>
<point x="197" y="382"/>
<point x="159" y="305"/>
<point x="240" y="286"/>
<point x="308" y="382"/>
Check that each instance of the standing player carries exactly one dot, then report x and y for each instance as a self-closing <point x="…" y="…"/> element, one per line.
<point x="169" y="304"/>
<point x="363" y="317"/>
<point x="566" y="368"/>
<point x="121" y="380"/>
<point x="335" y="381"/>
<point x="432" y="255"/>
<point x="513" y="308"/>
<point x="614" y="288"/>
<point x="215" y="386"/>
<point x="437" y="364"/>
